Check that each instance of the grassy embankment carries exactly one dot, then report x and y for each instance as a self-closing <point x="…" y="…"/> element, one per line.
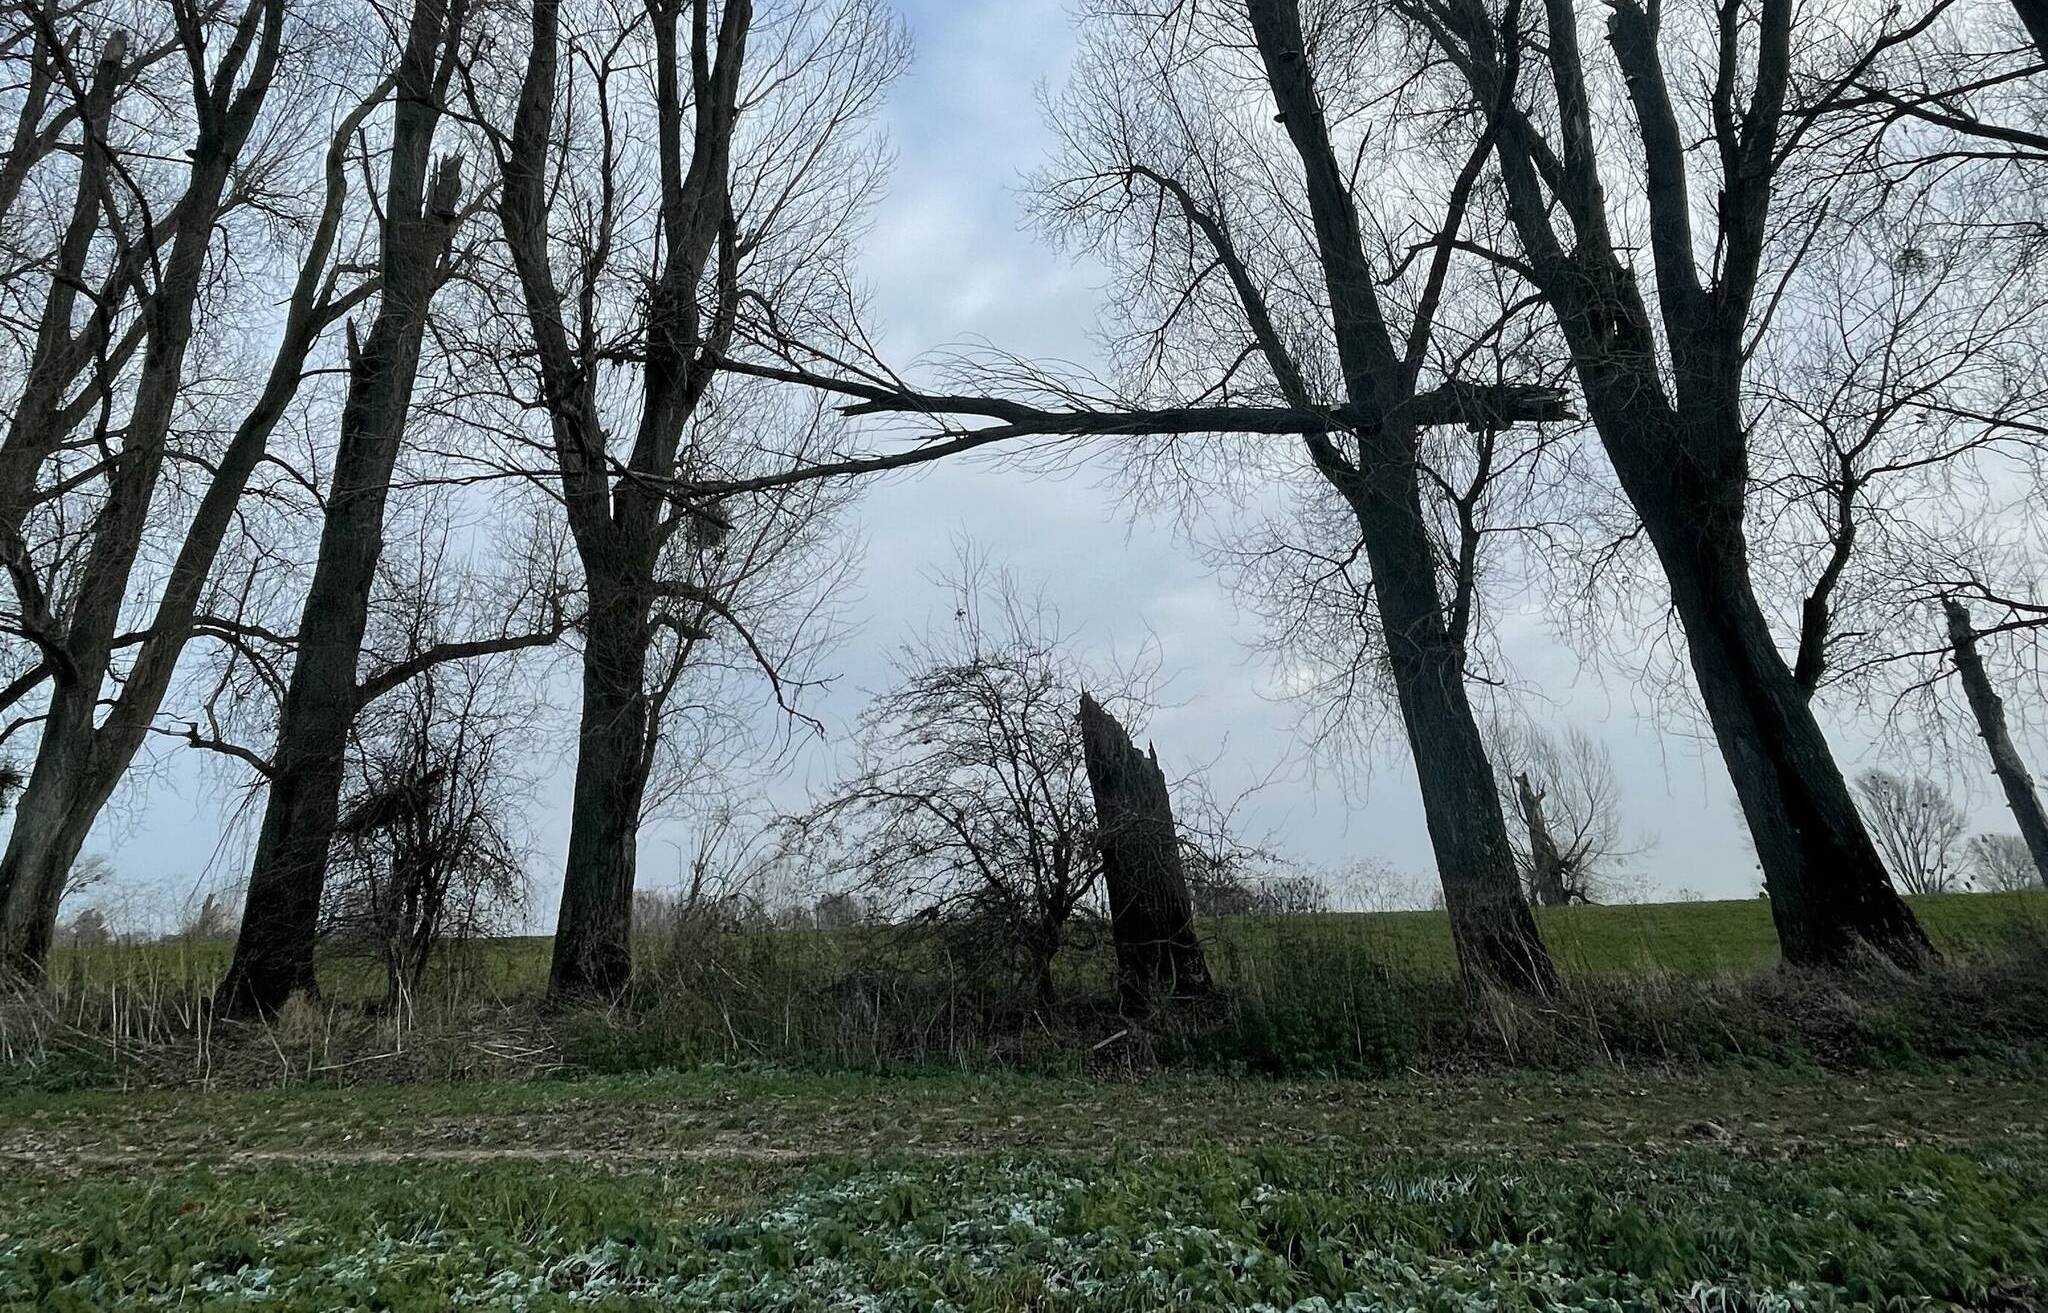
<point x="1333" y="994"/>
<point x="1678" y="939"/>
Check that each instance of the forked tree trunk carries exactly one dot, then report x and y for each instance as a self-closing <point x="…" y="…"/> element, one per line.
<point x="1496" y="936"/>
<point x="1831" y="899"/>
<point x="1546" y="863"/>
<point x="40" y="417"/>
<point x="79" y="763"/>
<point x="1151" y="917"/>
<point x="619" y="529"/>
<point x="78" y="767"/>
<point x="1679" y="445"/>
<point x="1989" y="709"/>
<point x="280" y="921"/>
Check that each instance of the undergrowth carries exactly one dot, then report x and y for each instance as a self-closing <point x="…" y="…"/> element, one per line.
<point x="1306" y="996"/>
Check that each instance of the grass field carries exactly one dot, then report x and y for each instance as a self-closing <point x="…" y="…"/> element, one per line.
<point x="755" y="1189"/>
<point x="1680" y="939"/>
<point x="1678" y="1130"/>
<point x="1337" y="994"/>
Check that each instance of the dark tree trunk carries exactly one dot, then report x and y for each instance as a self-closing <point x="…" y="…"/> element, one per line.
<point x="1830" y="896"/>
<point x="1496" y="936"/>
<point x="50" y="828"/>
<point x="619" y="529"/>
<point x="1546" y="864"/>
<point x="78" y="763"/>
<point x="41" y="417"/>
<point x="1989" y="709"/>
<point x="2034" y="13"/>
<point x="1679" y="445"/>
<point x="593" y="951"/>
<point x="1151" y="917"/>
<point x="274" y="951"/>
<point x="1045" y="947"/>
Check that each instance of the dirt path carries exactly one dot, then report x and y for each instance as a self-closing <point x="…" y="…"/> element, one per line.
<point x="780" y="1118"/>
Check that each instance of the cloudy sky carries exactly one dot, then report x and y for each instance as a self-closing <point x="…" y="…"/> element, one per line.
<point x="950" y="260"/>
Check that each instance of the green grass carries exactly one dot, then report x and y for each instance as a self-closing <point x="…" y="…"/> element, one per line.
<point x="1339" y="994"/>
<point x="1680" y="939"/>
<point x="1674" y="1130"/>
<point x="763" y="1189"/>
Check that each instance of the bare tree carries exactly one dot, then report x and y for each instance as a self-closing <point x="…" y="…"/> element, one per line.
<point x="1918" y="825"/>
<point x="79" y="488"/>
<point x="1282" y="300"/>
<point x="91" y="871"/>
<point x="1892" y="415"/>
<point x="1962" y="95"/>
<point x="428" y="847"/>
<point x="970" y="802"/>
<point x="420" y="210"/>
<point x="1989" y="711"/>
<point x="1568" y="798"/>
<point x="2000" y="863"/>
<point x="1663" y="375"/>
<point x="1897" y="425"/>
<point x="751" y="180"/>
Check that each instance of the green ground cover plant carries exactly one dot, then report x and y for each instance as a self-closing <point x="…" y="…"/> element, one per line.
<point x="1807" y="1192"/>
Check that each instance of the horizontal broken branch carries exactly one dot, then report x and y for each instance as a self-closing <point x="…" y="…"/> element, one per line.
<point x="1476" y="406"/>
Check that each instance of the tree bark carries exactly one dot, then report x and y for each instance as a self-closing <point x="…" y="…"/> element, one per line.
<point x="274" y="951"/>
<point x="1496" y="936"/>
<point x="593" y="950"/>
<point x="1989" y="709"/>
<point x="1679" y="447"/>
<point x="1151" y="917"/>
<point x="1546" y="863"/>
<point x="1491" y="925"/>
<point x="2034" y="13"/>
<point x="41" y="417"/>
<point x="619" y="529"/>
<point x="49" y="831"/>
<point x="78" y="764"/>
<point x="1830" y="896"/>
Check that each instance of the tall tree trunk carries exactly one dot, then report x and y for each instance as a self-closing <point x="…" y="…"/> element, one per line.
<point x="1989" y="709"/>
<point x="1830" y="896"/>
<point x="44" y="843"/>
<point x="1680" y="446"/>
<point x="593" y="950"/>
<point x="2034" y="13"/>
<point x="274" y="951"/>
<point x="1496" y="936"/>
<point x="1151" y="917"/>
<point x="78" y="766"/>
<point x="1546" y="863"/>
<point x="619" y="529"/>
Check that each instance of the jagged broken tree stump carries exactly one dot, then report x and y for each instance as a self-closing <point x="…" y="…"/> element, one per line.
<point x="1546" y="864"/>
<point x="1151" y="917"/>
